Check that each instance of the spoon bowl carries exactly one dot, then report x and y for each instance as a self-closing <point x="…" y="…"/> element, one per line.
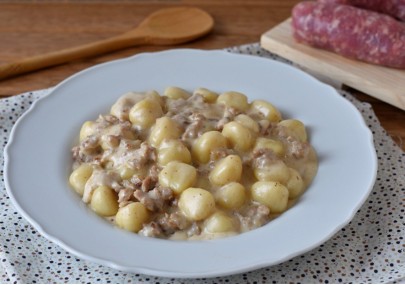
<point x="175" y="25"/>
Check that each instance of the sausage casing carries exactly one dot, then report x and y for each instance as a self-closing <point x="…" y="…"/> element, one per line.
<point x="352" y="32"/>
<point x="394" y="8"/>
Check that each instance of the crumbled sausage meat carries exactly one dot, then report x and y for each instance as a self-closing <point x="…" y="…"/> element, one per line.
<point x="142" y="156"/>
<point x="255" y="216"/>
<point x="145" y="199"/>
<point x="88" y="151"/>
<point x="148" y="184"/>
<point x="156" y="199"/>
<point x="124" y="196"/>
<point x="112" y="140"/>
<point x="297" y="148"/>
<point x="151" y="229"/>
<point x="154" y="171"/>
<point x="195" y="128"/>
<point x="263" y="157"/>
<point x="173" y="222"/>
<point x="228" y="116"/>
<point x="194" y="230"/>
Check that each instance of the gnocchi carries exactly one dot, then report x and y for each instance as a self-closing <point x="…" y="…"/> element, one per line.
<point x="206" y="144"/>
<point x="104" y="201"/>
<point x="132" y="217"/>
<point x="219" y="223"/>
<point x="238" y="136"/>
<point x="177" y="176"/>
<point x="234" y="100"/>
<point x="173" y="150"/>
<point x="295" y="128"/>
<point x="86" y="130"/>
<point x="144" y="113"/>
<point x="274" y="145"/>
<point x="79" y="177"/>
<point x="231" y="196"/>
<point x="208" y="95"/>
<point x="271" y="194"/>
<point x="165" y="128"/>
<point x="275" y="171"/>
<point x="267" y="110"/>
<point x="226" y="170"/>
<point x="196" y="203"/>
<point x="191" y="164"/>
<point x="173" y="92"/>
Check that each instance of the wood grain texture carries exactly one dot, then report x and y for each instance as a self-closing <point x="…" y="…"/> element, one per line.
<point x="29" y="28"/>
<point x="168" y="26"/>
<point x="386" y="84"/>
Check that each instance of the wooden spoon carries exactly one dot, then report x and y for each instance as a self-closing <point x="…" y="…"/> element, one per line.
<point x="165" y="27"/>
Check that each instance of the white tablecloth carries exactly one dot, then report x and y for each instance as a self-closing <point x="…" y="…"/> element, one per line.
<point x="370" y="249"/>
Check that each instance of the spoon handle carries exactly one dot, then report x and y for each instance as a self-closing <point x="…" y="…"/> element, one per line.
<point x="58" y="57"/>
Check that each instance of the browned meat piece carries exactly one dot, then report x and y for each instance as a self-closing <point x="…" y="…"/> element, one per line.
<point x="76" y="153"/>
<point x="145" y="199"/>
<point x="132" y="184"/>
<point x="194" y="230"/>
<point x="88" y="151"/>
<point x="142" y="156"/>
<point x="113" y="126"/>
<point x="112" y="140"/>
<point x="294" y="147"/>
<point x="229" y="114"/>
<point x="148" y="183"/>
<point x="107" y="120"/>
<point x="297" y="148"/>
<point x="90" y="145"/>
<point x="136" y="181"/>
<point x="173" y="222"/>
<point x="160" y="195"/>
<point x="110" y="131"/>
<point x="129" y="185"/>
<point x="220" y="153"/>
<point x="165" y="193"/>
<point x="124" y="196"/>
<point x="263" y="157"/>
<point x="154" y="172"/>
<point x="151" y="229"/>
<point x="254" y="217"/>
<point x="156" y="199"/>
<point x="182" y="118"/>
<point x="221" y="123"/>
<point x="196" y="127"/>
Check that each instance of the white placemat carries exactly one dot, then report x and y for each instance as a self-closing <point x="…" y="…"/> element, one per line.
<point x="370" y="249"/>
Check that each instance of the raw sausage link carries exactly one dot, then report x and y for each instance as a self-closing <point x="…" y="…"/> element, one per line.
<point x="351" y="32"/>
<point x="394" y="8"/>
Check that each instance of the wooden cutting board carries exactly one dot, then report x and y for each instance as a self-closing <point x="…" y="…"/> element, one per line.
<point x="386" y="84"/>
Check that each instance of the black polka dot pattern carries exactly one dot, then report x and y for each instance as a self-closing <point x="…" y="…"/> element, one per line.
<point x="370" y="249"/>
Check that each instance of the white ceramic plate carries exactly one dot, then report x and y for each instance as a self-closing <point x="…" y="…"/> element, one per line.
<point x="38" y="162"/>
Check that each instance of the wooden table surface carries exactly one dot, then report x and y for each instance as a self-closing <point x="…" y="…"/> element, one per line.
<point x="34" y="27"/>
